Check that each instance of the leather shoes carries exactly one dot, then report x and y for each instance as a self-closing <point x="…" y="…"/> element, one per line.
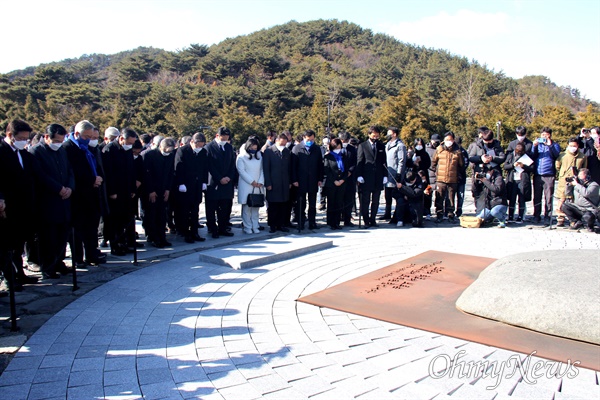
<point x="64" y="270"/>
<point x="272" y="230"/>
<point x="349" y="224"/>
<point x="27" y="279"/>
<point x="158" y="245"/>
<point x="118" y="251"/>
<point x="50" y="275"/>
<point x="189" y="239"/>
<point x="284" y="229"/>
<point x="166" y="244"/>
<point x="215" y="235"/>
<point x="227" y="233"/>
<point x="314" y="226"/>
<point x="198" y="238"/>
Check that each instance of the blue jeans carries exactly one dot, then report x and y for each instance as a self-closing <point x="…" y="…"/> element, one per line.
<point x="498" y="212"/>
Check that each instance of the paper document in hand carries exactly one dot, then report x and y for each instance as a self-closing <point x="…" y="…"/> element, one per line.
<point x="525" y="159"/>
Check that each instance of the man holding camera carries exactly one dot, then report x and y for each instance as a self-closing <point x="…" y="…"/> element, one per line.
<point x="545" y="152"/>
<point x="587" y="198"/>
<point x="567" y="164"/>
<point x="492" y="195"/>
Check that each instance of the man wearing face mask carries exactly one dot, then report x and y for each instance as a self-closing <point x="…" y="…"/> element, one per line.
<point x="191" y="177"/>
<point x="220" y="190"/>
<point x="158" y="179"/>
<point x="19" y="171"/>
<point x="591" y="149"/>
<point x="521" y="133"/>
<point x="584" y="210"/>
<point x="567" y="164"/>
<point x="372" y="175"/>
<point x="117" y="158"/>
<point x="86" y="200"/>
<point x="492" y="196"/>
<point x="277" y="171"/>
<point x="54" y="187"/>
<point x="446" y="162"/>
<point x="544" y="152"/>
<point x="485" y="154"/>
<point x="396" y="152"/>
<point x="307" y="177"/>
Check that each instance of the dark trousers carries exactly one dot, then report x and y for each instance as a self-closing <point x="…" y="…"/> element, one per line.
<point x="301" y="207"/>
<point x="387" y="192"/>
<point x="445" y="192"/>
<point x="577" y="214"/>
<point x="218" y="210"/>
<point x="187" y="214"/>
<point x="349" y="201"/>
<point x="116" y="222"/>
<point x="369" y="204"/>
<point x="460" y="198"/>
<point x="335" y="206"/>
<point x="276" y="214"/>
<point x="15" y="248"/>
<point x="543" y="185"/>
<point x="515" y="196"/>
<point x="85" y="239"/>
<point x="156" y="220"/>
<point x="409" y="211"/>
<point x="53" y="239"/>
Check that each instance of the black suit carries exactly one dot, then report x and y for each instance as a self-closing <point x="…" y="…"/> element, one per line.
<point x="371" y="166"/>
<point x="191" y="170"/>
<point x="335" y="194"/>
<point x="219" y="197"/>
<point x="86" y="201"/>
<point x="158" y="179"/>
<point x="307" y="171"/>
<point x="17" y="186"/>
<point x="54" y="174"/>
<point x="277" y="170"/>
<point x="120" y="181"/>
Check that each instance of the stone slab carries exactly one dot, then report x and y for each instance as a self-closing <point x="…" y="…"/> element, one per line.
<point x="554" y="292"/>
<point x="255" y="254"/>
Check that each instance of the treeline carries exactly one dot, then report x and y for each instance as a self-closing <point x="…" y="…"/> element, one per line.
<point x="294" y="76"/>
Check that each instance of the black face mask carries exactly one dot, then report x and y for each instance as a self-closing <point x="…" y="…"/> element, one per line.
<point x="374" y="140"/>
<point x="490" y="144"/>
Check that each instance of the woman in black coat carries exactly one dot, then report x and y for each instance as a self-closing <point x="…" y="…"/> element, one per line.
<point x="420" y="163"/>
<point x="335" y="172"/>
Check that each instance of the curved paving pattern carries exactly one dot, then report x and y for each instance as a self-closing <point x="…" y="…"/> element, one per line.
<point x="183" y="329"/>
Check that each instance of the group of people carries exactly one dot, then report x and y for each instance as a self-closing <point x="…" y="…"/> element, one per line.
<point x="83" y="187"/>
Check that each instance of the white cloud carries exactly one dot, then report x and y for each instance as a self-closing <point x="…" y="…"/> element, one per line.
<point x="443" y="28"/>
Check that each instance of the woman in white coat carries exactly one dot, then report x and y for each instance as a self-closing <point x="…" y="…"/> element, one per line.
<point x="249" y="166"/>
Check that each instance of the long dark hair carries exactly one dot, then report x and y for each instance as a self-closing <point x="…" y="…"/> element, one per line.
<point x="251" y="142"/>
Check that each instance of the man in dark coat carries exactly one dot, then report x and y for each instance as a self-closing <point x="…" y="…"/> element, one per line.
<point x="277" y="169"/>
<point x="86" y="200"/>
<point x="371" y="172"/>
<point x="117" y="158"/>
<point x="158" y="168"/>
<point x="54" y="188"/>
<point x="219" y="192"/>
<point x="17" y="189"/>
<point x="307" y="177"/>
<point x="350" y="155"/>
<point x="521" y="133"/>
<point x="191" y="178"/>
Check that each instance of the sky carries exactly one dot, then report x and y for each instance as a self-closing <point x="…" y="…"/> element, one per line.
<point x="557" y="39"/>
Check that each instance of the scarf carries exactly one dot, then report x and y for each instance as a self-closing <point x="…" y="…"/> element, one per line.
<point x="339" y="159"/>
<point x="88" y="154"/>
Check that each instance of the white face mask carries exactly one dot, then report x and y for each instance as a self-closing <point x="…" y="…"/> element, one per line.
<point x="594" y="135"/>
<point x="280" y="148"/>
<point x="197" y="149"/>
<point x="488" y="176"/>
<point x="55" y="146"/>
<point x="93" y="143"/>
<point x="135" y="156"/>
<point x="572" y="149"/>
<point x="448" y="143"/>
<point x="337" y="151"/>
<point x="520" y="138"/>
<point x="127" y="147"/>
<point x="20" y="144"/>
<point x="221" y="142"/>
<point x="165" y="153"/>
<point x="419" y="147"/>
<point x="344" y="145"/>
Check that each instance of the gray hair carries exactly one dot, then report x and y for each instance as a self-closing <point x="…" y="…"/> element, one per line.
<point x="157" y="139"/>
<point x="83" y="126"/>
<point x="111" y="131"/>
<point x="167" y="142"/>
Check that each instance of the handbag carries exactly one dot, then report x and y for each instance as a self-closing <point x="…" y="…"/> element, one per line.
<point x="255" y="199"/>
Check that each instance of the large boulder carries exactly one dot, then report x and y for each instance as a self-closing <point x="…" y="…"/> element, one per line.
<point x="555" y="292"/>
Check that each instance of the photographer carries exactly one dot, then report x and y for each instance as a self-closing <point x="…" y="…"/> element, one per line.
<point x="567" y="164"/>
<point x="492" y="196"/>
<point x="590" y="148"/>
<point x="545" y="152"/>
<point x="409" y="197"/>
<point x="587" y="197"/>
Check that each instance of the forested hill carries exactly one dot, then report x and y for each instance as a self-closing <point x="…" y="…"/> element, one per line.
<point x="288" y="77"/>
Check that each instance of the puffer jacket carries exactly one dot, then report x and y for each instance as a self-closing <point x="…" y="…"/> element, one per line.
<point x="480" y="148"/>
<point x="544" y="157"/>
<point x="446" y="163"/>
<point x="564" y="164"/>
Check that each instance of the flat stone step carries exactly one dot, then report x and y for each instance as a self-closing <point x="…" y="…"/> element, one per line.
<point x="263" y="252"/>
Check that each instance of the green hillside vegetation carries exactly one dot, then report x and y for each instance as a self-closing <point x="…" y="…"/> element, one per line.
<point x="287" y="77"/>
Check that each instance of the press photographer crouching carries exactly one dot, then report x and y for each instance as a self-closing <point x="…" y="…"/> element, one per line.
<point x="409" y="197"/>
<point x="492" y="196"/>
<point x="584" y="209"/>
